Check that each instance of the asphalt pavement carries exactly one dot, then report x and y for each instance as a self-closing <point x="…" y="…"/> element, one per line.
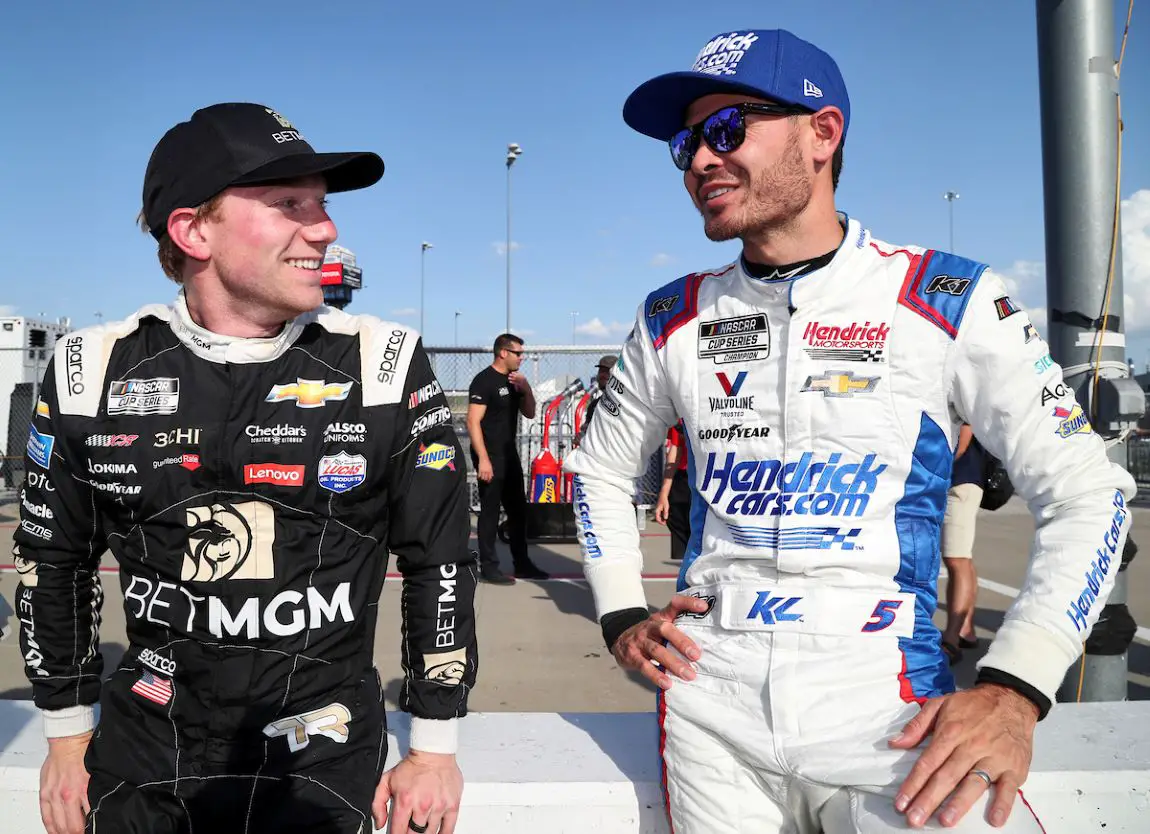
<point x="541" y="648"/>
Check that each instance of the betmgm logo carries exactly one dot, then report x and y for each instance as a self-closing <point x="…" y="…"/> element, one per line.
<point x="229" y="541"/>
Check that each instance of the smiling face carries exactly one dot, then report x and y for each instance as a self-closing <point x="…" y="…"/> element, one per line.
<point x="763" y="184"/>
<point x="267" y="244"/>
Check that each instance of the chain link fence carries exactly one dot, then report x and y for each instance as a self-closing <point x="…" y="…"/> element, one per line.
<point x="21" y="369"/>
<point x="549" y="369"/>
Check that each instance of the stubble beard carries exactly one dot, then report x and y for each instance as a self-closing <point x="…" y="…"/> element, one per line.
<point x="773" y="200"/>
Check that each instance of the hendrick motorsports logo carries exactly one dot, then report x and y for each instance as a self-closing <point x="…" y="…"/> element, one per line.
<point x="803" y="487"/>
<point x="852" y="342"/>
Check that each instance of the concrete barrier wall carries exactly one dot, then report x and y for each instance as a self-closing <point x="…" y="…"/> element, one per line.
<point x="570" y="773"/>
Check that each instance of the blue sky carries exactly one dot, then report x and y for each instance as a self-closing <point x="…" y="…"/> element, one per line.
<point x="944" y="97"/>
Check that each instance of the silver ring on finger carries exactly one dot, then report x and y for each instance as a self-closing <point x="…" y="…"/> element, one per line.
<point x="983" y="775"/>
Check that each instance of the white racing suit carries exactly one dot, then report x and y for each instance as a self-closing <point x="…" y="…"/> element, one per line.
<point x="822" y="414"/>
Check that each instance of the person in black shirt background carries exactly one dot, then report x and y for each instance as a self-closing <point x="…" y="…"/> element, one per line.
<point x="498" y="395"/>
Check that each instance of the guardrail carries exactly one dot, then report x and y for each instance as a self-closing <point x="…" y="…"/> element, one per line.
<point x="570" y="773"/>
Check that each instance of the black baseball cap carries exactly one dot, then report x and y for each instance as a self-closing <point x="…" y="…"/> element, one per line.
<point x="239" y="144"/>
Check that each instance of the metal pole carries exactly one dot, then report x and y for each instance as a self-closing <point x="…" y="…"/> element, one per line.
<point x="422" y="251"/>
<point x="950" y="197"/>
<point x="513" y="152"/>
<point x="457" y="315"/>
<point x="1077" y="75"/>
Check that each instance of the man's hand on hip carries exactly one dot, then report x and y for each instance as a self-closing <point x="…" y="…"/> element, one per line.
<point x="641" y="644"/>
<point x="425" y="790"/>
<point x="64" y="785"/>
<point x="979" y="737"/>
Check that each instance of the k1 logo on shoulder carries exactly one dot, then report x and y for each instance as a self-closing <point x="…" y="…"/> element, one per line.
<point x="948" y="284"/>
<point x="159" y="395"/>
<point x="739" y="339"/>
<point x="662" y="305"/>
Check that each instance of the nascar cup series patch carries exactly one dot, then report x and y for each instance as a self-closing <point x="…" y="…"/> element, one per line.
<point x="339" y="473"/>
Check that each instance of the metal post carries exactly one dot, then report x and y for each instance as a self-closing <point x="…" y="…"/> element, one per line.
<point x="1077" y="74"/>
<point x="457" y="315"/>
<point x="422" y="251"/>
<point x="513" y="152"/>
<point x="950" y="197"/>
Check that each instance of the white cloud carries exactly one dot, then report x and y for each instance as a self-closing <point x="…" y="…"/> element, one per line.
<point x="405" y="311"/>
<point x="1026" y="284"/>
<point x="662" y="259"/>
<point x="599" y="330"/>
<point x="1136" y="261"/>
<point x="500" y="247"/>
<point x="7" y="310"/>
<point x="1026" y="280"/>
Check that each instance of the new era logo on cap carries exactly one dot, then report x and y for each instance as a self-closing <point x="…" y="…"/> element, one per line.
<point x="809" y="89"/>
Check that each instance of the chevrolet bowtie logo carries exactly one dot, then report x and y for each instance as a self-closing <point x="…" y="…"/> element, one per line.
<point x="309" y="393"/>
<point x="841" y="384"/>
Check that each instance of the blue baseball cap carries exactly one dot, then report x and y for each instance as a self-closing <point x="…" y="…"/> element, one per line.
<point x="773" y="64"/>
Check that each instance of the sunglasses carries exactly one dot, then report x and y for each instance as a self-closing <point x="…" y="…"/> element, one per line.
<point x="724" y="130"/>
<point x="516" y="352"/>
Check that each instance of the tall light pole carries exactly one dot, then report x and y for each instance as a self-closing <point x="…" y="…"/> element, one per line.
<point x="513" y="152"/>
<point x="458" y="313"/>
<point x="950" y="197"/>
<point x="574" y="316"/>
<point x="422" y="251"/>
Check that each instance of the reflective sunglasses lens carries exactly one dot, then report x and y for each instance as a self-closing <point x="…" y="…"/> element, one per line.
<point x="725" y="130"/>
<point x="683" y="146"/>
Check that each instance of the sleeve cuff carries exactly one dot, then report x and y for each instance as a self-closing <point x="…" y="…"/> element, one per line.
<point x="997" y="676"/>
<point x="430" y="735"/>
<point x="69" y="721"/>
<point x="615" y="623"/>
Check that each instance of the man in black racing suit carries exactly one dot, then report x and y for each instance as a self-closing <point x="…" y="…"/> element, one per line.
<point x="250" y="487"/>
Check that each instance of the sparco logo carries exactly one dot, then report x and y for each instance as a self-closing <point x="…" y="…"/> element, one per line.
<point x="73" y="350"/>
<point x="391" y="356"/>
<point x="345" y="433"/>
<point x="735" y="432"/>
<point x="163" y="665"/>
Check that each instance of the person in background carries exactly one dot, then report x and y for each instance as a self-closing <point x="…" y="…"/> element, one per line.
<point x="962" y="503"/>
<point x="498" y="396"/>
<point x="673" y="507"/>
<point x="602" y="375"/>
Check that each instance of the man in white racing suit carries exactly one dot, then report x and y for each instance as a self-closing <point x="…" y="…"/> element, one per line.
<point x="823" y="378"/>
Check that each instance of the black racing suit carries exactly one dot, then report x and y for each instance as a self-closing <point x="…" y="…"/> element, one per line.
<point x="251" y="491"/>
